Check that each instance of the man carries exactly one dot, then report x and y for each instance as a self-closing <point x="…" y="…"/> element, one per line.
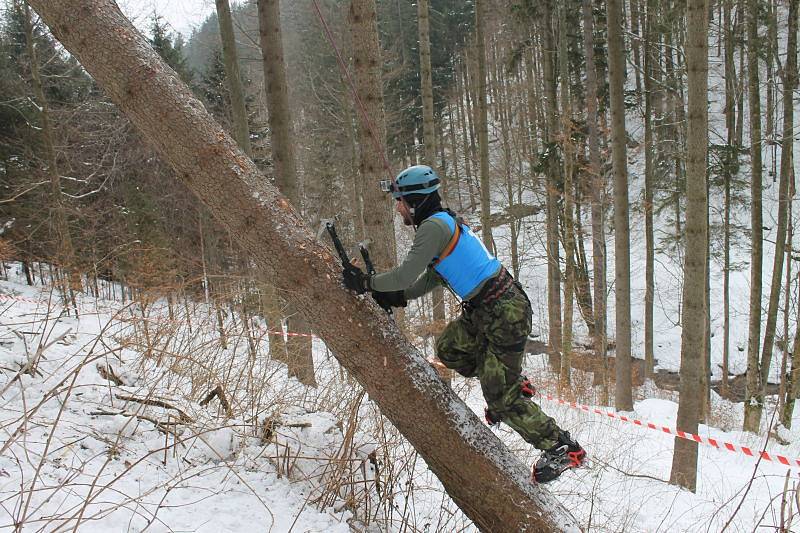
<point x="488" y="339"/>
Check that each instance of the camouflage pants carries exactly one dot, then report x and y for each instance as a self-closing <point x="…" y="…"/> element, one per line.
<point x="489" y="342"/>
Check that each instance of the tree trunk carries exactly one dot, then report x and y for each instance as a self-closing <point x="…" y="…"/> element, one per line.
<point x="583" y="288"/>
<point x="469" y="72"/>
<point x="481" y="475"/>
<point x="377" y="211"/>
<point x="569" y="203"/>
<point x="740" y="14"/>
<point x="553" y="266"/>
<point x="786" y="310"/>
<point x="429" y="135"/>
<point x="241" y="129"/>
<point x="64" y="252"/>
<point x="752" y="411"/>
<point x="462" y="120"/>
<point x="453" y="121"/>
<point x="705" y="370"/>
<point x="622" y="255"/>
<point x="684" y="462"/>
<point x="429" y="140"/>
<point x="726" y="288"/>
<point x="730" y="73"/>
<point x="636" y="44"/>
<point x="482" y="123"/>
<point x="787" y="173"/>
<point x="793" y="386"/>
<point x="649" y="175"/>
<point x="598" y="189"/>
<point x="300" y="361"/>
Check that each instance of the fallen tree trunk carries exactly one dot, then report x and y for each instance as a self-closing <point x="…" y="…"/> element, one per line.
<point x="487" y="482"/>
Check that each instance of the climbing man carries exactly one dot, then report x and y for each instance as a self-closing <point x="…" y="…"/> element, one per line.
<point x="488" y="340"/>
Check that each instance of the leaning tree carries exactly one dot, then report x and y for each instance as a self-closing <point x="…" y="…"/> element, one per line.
<point x="486" y="481"/>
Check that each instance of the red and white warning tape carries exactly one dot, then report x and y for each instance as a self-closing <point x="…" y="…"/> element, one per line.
<point x="736" y="448"/>
<point x="288" y="333"/>
<point x="7" y="297"/>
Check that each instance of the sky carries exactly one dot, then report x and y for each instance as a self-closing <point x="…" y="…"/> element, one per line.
<point x="181" y="15"/>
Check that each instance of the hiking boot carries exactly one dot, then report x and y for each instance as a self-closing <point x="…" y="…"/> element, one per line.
<point x="566" y="454"/>
<point x="492" y="418"/>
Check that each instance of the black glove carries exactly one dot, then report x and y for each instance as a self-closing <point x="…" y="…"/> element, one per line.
<point x="387" y="300"/>
<point x="354" y="279"/>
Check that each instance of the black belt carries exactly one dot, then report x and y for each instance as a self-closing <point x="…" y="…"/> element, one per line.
<point x="492" y="290"/>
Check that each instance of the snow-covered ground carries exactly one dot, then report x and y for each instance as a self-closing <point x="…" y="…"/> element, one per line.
<point x="78" y="448"/>
<point x="106" y="425"/>
<point x="139" y="452"/>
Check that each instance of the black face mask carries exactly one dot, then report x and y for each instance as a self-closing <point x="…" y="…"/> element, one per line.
<point x="424" y="205"/>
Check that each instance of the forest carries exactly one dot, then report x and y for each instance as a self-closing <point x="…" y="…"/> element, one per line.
<point x="180" y="348"/>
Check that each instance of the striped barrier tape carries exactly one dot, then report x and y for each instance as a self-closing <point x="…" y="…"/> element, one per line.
<point x="288" y="333"/>
<point x="736" y="448"/>
<point x="8" y="297"/>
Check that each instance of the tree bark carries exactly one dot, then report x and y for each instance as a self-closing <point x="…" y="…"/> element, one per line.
<point x="730" y="123"/>
<point x="241" y="129"/>
<point x="299" y="354"/>
<point x="622" y="247"/>
<point x="730" y="73"/>
<point x="787" y="173"/>
<point x="784" y="383"/>
<point x="684" y="462"/>
<point x="377" y="211"/>
<point x="462" y="118"/>
<point x="649" y="175"/>
<point x="482" y="123"/>
<point x="569" y="203"/>
<point x="598" y="189"/>
<point x="636" y="44"/>
<point x="481" y="475"/>
<point x="553" y="266"/>
<point x="428" y="131"/>
<point x="752" y="411"/>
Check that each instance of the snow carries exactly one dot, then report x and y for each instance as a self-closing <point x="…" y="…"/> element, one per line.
<point x="78" y="449"/>
<point x="74" y="453"/>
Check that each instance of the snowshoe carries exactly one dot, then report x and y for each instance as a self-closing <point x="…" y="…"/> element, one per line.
<point x="566" y="454"/>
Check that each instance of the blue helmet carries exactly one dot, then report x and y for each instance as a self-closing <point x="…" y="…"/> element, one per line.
<point x="418" y="179"/>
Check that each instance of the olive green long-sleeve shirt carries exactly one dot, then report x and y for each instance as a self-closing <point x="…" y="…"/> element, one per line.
<point x="413" y="275"/>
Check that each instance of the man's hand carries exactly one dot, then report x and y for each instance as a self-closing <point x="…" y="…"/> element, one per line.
<point x="387" y="300"/>
<point x="355" y="279"/>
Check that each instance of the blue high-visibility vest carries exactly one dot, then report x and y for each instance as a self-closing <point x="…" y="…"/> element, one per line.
<point x="469" y="264"/>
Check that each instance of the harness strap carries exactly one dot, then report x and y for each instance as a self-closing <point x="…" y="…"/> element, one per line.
<point x="450" y="246"/>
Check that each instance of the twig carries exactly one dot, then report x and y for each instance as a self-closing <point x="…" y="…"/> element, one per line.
<point x="219" y="392"/>
<point x="752" y="477"/>
<point x="160" y="425"/>
<point x="157" y="403"/>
